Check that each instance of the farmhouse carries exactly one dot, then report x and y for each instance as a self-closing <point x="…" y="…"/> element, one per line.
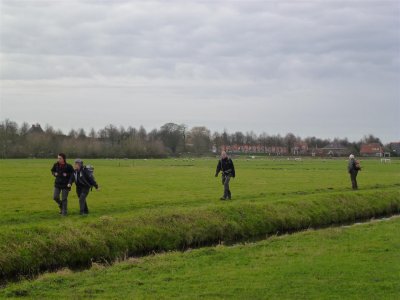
<point x="277" y="150"/>
<point x="300" y="148"/>
<point x="373" y="149"/>
<point x="335" y="149"/>
<point x="395" y="148"/>
<point x="36" y="128"/>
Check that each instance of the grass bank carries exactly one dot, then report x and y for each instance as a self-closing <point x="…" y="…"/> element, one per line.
<point x="356" y="262"/>
<point x="106" y="239"/>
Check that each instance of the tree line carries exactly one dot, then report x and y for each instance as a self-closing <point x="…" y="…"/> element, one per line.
<point x="24" y="140"/>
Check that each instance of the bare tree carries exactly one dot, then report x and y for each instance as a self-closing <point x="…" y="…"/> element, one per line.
<point x="172" y="136"/>
<point x="200" y="139"/>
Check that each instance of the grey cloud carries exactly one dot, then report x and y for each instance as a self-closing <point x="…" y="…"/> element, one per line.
<point x="262" y="54"/>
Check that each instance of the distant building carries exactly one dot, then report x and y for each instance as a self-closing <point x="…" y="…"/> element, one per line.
<point x="254" y="149"/>
<point x="36" y="128"/>
<point x="395" y="148"/>
<point x="373" y="149"/>
<point x="277" y="150"/>
<point x="300" y="148"/>
<point x="317" y="152"/>
<point x="335" y="149"/>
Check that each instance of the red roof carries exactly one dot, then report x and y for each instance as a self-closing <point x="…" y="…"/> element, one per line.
<point x="371" y="148"/>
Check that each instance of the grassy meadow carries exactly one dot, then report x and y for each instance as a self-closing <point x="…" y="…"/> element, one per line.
<point x="132" y="186"/>
<point x="147" y="206"/>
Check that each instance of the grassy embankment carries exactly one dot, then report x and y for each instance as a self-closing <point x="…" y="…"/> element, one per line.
<point x="357" y="262"/>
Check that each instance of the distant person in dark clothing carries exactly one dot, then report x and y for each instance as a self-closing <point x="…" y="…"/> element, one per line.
<point x="225" y="165"/>
<point x="353" y="168"/>
<point x="62" y="173"/>
<point x="84" y="181"/>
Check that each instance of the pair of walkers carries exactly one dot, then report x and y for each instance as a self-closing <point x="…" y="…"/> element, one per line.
<point x="65" y="175"/>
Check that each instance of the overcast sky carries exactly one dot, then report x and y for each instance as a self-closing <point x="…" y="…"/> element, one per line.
<point x="324" y="68"/>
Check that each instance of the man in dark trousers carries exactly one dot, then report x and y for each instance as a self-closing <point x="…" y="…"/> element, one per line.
<point x="225" y="165"/>
<point x="62" y="173"/>
<point x="353" y="169"/>
<point x="84" y="181"/>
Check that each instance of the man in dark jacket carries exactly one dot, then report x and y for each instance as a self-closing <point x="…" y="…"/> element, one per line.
<point x="353" y="169"/>
<point x="225" y="165"/>
<point x="62" y="173"/>
<point x="84" y="181"/>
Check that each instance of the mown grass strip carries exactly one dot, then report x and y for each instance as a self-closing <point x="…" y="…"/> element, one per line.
<point x="39" y="249"/>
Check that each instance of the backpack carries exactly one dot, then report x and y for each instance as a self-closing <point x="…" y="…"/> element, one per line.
<point x="90" y="173"/>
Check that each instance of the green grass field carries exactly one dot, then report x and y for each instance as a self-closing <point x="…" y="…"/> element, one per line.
<point x="161" y="205"/>
<point x="358" y="262"/>
<point x="132" y="186"/>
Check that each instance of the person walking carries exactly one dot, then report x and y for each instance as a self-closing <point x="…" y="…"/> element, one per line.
<point x="353" y="168"/>
<point x="84" y="181"/>
<point x="225" y="165"/>
<point x="62" y="173"/>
